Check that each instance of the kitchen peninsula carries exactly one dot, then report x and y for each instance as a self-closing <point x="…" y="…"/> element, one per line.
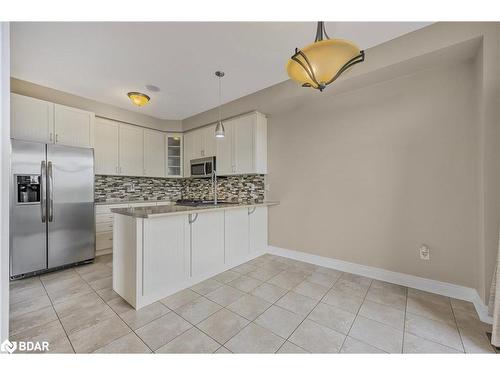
<point x="159" y="250"/>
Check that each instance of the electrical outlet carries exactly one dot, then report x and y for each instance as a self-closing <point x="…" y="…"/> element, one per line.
<point x="425" y="252"/>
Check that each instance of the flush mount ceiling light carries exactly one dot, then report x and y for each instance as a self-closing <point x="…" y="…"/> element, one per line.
<point x="138" y="98"/>
<point x="322" y="62"/>
<point x="219" y="129"/>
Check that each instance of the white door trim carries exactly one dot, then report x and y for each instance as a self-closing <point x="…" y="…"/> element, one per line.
<point x="416" y="282"/>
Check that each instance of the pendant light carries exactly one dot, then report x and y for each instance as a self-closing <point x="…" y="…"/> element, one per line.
<point x="219" y="129"/>
<point x="322" y="62"/>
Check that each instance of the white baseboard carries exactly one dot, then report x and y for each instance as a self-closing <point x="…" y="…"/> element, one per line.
<point x="416" y="282"/>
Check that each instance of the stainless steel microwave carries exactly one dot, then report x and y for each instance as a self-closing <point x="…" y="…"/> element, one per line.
<point x="203" y="167"/>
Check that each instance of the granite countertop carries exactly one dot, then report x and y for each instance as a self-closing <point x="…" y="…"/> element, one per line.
<point x="157" y="211"/>
<point x="121" y="201"/>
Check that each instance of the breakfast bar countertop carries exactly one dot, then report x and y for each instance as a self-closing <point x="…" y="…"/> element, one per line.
<point x="157" y="211"/>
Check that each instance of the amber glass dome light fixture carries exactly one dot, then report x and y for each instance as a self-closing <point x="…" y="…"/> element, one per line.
<point x="322" y="62"/>
<point x="138" y="98"/>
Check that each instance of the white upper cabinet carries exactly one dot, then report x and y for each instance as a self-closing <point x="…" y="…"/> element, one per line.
<point x="31" y="119"/>
<point x="154" y="153"/>
<point x="106" y="147"/>
<point x="209" y="141"/>
<point x="224" y="152"/>
<point x="73" y="127"/>
<point x="173" y="143"/>
<point x="131" y="150"/>
<point x="189" y="152"/>
<point x="41" y="121"/>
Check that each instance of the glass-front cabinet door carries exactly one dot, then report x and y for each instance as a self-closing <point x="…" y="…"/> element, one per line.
<point x="174" y="155"/>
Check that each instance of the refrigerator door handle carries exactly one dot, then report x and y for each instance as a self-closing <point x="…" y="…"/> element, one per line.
<point x="50" y="192"/>
<point x="43" y="197"/>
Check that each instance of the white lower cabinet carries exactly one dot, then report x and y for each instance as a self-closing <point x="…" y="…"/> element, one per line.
<point x="165" y="262"/>
<point x="236" y="233"/>
<point x="207" y="242"/>
<point x="257" y="230"/>
<point x="157" y="257"/>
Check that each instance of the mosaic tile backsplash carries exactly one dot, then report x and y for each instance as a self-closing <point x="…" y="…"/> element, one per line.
<point x="243" y="188"/>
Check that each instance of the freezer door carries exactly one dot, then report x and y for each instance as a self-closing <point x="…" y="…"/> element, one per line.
<point x="28" y="231"/>
<point x="70" y="201"/>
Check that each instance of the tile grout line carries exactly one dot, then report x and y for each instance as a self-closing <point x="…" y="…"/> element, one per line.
<point x="404" y="321"/>
<point x="356" y="317"/>
<point x="57" y="314"/>
<point x="456" y="325"/>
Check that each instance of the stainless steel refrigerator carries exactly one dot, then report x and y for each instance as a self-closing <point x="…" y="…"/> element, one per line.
<point x="51" y="207"/>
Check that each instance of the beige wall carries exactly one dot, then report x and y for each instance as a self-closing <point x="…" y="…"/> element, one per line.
<point x="370" y="175"/>
<point x="386" y="162"/>
<point x="100" y="109"/>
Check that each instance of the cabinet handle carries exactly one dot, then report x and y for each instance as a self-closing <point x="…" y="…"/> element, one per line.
<point x="190" y="218"/>
<point x="51" y="137"/>
<point x="57" y="137"/>
<point x="251" y="210"/>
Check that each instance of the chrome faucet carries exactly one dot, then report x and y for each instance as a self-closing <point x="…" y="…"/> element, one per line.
<point x="214" y="185"/>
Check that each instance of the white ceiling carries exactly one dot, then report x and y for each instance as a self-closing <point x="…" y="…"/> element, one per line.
<point x="103" y="61"/>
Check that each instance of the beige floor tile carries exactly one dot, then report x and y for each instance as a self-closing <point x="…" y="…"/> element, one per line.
<point x="180" y="298"/>
<point x="297" y="303"/>
<point x="466" y="306"/>
<point x="415" y="344"/>
<point x="290" y="348"/>
<point x="26" y="294"/>
<point x="436" y="298"/>
<point x="61" y="282"/>
<point x="244" y="268"/>
<point x="191" y="341"/>
<point x="226" y="277"/>
<point x="128" y="344"/>
<point x="89" y="339"/>
<point x="316" y="338"/>
<point x="27" y="306"/>
<point x="225" y="295"/>
<point x="353" y="346"/>
<point x="263" y="274"/>
<point x="223" y="325"/>
<point x="350" y="287"/>
<point x="394" y="288"/>
<point x="245" y="283"/>
<point x="279" y="321"/>
<point x="311" y="290"/>
<point x="23" y="284"/>
<point x="344" y="300"/>
<point x="223" y="350"/>
<point x="52" y="332"/>
<point x="107" y="294"/>
<point x="254" y="339"/>
<point x="119" y="305"/>
<point x="46" y="278"/>
<point x="475" y="341"/>
<point x="268" y="292"/>
<point x="206" y="286"/>
<point x="377" y="334"/>
<point x="470" y="321"/>
<point x="328" y="271"/>
<point x="137" y="318"/>
<point x="433" y="330"/>
<point x="357" y="279"/>
<point x="320" y="278"/>
<point x="99" y="274"/>
<point x="388" y="297"/>
<point x="31" y="320"/>
<point x="76" y="304"/>
<point x="198" y="310"/>
<point x="78" y="289"/>
<point x="383" y="314"/>
<point x="105" y="283"/>
<point x="87" y="317"/>
<point x="430" y="309"/>
<point x="332" y="317"/>
<point x="249" y="307"/>
<point x="286" y="280"/>
<point x="162" y="330"/>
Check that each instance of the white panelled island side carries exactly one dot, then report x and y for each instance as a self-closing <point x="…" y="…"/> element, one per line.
<point x="160" y="250"/>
